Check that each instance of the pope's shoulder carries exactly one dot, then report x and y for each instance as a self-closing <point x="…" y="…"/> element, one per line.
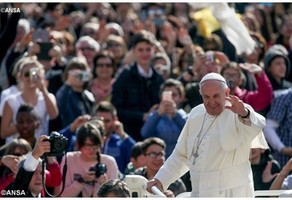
<point x="199" y="109"/>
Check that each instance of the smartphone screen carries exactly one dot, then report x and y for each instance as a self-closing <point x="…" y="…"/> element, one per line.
<point x="167" y="95"/>
<point x="44" y="50"/>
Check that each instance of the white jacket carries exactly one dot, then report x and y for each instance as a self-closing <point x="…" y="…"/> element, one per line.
<point x="223" y="168"/>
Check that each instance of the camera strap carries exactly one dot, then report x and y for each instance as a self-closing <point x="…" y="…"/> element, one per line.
<point x="63" y="177"/>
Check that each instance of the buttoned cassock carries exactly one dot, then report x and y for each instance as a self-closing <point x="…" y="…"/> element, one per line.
<point x="222" y="168"/>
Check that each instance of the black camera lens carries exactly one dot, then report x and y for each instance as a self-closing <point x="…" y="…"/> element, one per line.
<point x="99" y="169"/>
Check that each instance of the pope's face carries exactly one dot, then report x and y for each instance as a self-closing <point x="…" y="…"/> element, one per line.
<point x="213" y="94"/>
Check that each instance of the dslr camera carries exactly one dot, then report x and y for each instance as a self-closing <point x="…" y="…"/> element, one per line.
<point x="99" y="169"/>
<point x="58" y="144"/>
<point x="84" y="76"/>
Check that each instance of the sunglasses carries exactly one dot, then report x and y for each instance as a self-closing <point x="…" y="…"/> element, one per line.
<point x="113" y="45"/>
<point x="26" y="74"/>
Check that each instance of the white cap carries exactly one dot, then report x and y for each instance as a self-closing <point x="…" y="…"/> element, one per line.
<point x="213" y="76"/>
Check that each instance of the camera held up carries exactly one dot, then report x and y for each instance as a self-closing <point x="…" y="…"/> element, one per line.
<point x="58" y="144"/>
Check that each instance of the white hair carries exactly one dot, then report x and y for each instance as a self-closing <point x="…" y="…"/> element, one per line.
<point x="25" y="24"/>
<point x="116" y="27"/>
<point x="92" y="42"/>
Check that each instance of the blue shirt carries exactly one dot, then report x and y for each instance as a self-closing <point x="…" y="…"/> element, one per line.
<point x="281" y="112"/>
<point x="165" y="128"/>
<point x="120" y="149"/>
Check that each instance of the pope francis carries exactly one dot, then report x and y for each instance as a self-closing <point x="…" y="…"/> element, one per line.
<point x="215" y="145"/>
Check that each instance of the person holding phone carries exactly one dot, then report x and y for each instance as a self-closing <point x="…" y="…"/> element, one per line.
<point x="168" y="120"/>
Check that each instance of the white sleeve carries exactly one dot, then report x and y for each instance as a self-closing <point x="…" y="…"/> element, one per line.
<point x="30" y="164"/>
<point x="272" y="136"/>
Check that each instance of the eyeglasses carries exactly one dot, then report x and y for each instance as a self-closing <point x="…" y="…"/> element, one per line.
<point x="108" y="65"/>
<point x="155" y="154"/>
<point x="90" y="146"/>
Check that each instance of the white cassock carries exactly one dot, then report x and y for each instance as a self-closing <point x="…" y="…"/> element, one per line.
<point x="222" y="167"/>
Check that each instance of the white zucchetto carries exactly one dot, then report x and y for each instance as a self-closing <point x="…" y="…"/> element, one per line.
<point x="213" y="76"/>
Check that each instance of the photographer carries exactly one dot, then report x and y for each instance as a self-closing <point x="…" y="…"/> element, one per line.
<point x="88" y="169"/>
<point x="29" y="178"/>
<point x="73" y="99"/>
<point x="31" y="77"/>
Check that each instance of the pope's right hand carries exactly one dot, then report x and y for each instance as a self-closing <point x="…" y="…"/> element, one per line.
<point x="154" y="182"/>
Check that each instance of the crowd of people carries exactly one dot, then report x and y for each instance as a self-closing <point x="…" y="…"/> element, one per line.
<point x="145" y="88"/>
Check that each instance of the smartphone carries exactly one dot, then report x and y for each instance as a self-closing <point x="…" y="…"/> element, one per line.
<point x="44" y="50"/>
<point x="210" y="56"/>
<point x="167" y="95"/>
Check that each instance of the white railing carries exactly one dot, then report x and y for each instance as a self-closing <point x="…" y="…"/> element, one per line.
<point x="137" y="186"/>
<point x="269" y="193"/>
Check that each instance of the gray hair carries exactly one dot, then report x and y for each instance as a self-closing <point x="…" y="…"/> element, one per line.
<point x="92" y="42"/>
<point x="25" y="24"/>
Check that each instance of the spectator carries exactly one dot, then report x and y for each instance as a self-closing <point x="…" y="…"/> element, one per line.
<point x="81" y="181"/>
<point x="35" y="93"/>
<point x="90" y="29"/>
<point x="26" y="123"/>
<point x="154" y="152"/>
<point x="264" y="168"/>
<point x="137" y="158"/>
<point x="169" y="119"/>
<point x="10" y="160"/>
<point x="29" y="176"/>
<point x="283" y="180"/>
<point x="13" y="89"/>
<point x="136" y="90"/>
<point x="16" y="50"/>
<point x="278" y="130"/>
<point x="261" y="98"/>
<point x="73" y="98"/>
<point x="285" y="32"/>
<point x="277" y="66"/>
<point x="70" y="131"/>
<point x="114" y="188"/>
<point x="161" y="63"/>
<point x="117" y="142"/>
<point x="117" y="46"/>
<point x="256" y="57"/>
<point x="87" y="47"/>
<point x="103" y="76"/>
<point x="8" y="33"/>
